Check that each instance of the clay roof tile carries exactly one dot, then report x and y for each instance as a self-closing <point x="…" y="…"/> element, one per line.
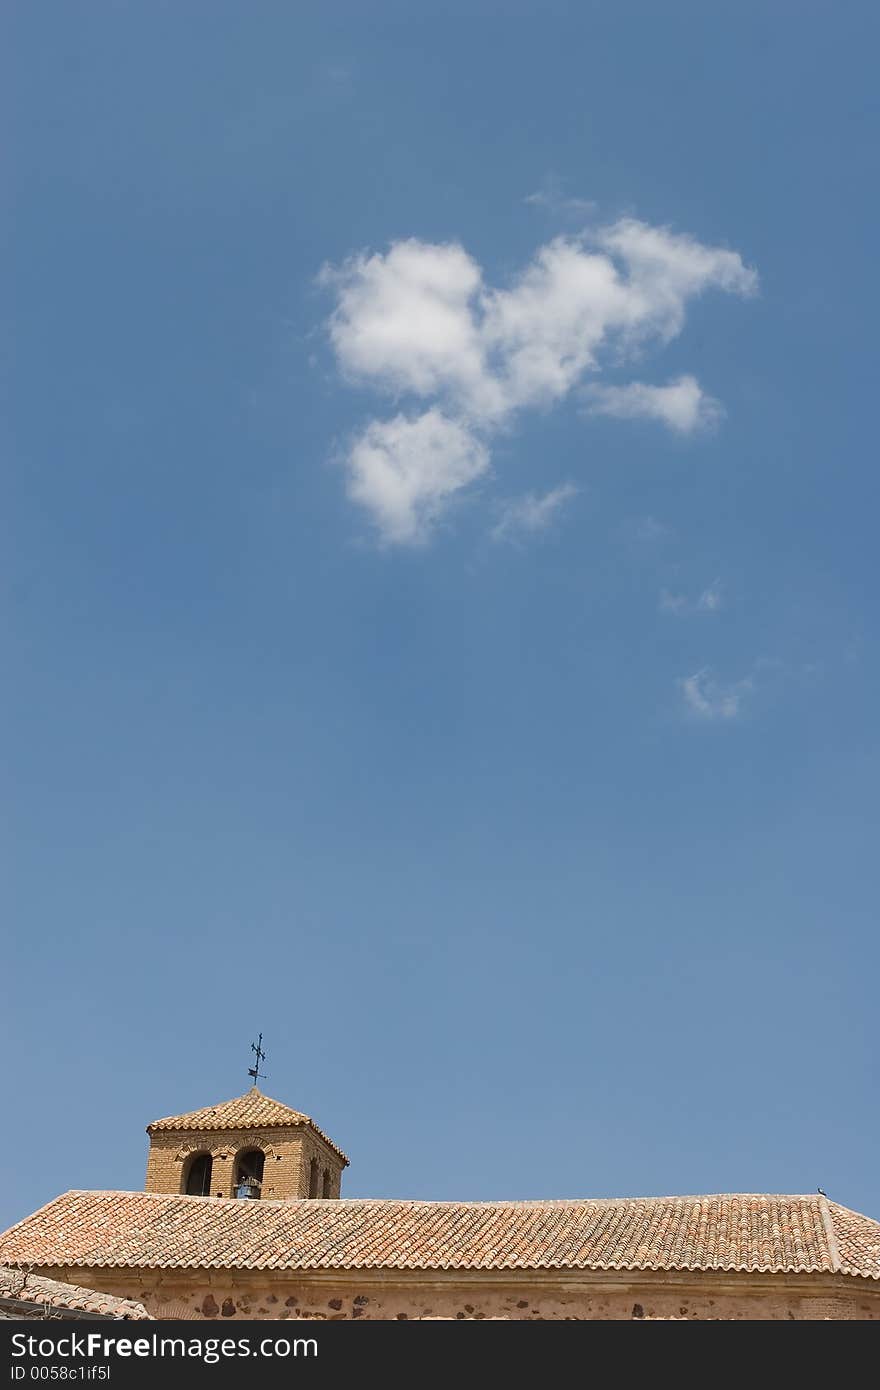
<point x="731" y="1232"/>
<point x="253" y="1110"/>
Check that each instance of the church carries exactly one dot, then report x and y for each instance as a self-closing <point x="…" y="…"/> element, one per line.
<point x="242" y="1217"/>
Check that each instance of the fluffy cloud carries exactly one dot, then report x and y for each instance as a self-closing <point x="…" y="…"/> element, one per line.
<point x="405" y="470"/>
<point x="706" y="698"/>
<point x="664" y="271"/>
<point x="526" y="515"/>
<point x="420" y="321"/>
<point x="405" y="321"/>
<point x="682" y="405"/>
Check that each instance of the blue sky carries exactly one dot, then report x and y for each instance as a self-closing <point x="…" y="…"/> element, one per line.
<point x="439" y="591"/>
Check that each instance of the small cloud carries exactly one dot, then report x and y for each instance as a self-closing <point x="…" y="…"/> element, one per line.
<point x="526" y="515"/>
<point x="681" y="405"/>
<point x="706" y="698"/>
<point x="680" y="606"/>
<point x="551" y="197"/>
<point x="406" y="471"/>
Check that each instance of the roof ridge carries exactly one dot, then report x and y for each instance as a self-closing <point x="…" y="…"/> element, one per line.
<point x="830" y="1232"/>
<point x="811" y="1197"/>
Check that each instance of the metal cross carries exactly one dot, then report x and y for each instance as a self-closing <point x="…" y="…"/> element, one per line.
<point x="261" y="1057"/>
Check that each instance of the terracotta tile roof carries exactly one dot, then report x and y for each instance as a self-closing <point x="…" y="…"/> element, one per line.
<point x="253" y="1110"/>
<point x="858" y="1241"/>
<point x="18" y="1287"/>
<point x="736" y="1233"/>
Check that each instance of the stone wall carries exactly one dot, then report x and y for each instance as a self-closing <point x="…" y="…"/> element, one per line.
<point x="532" y="1296"/>
<point x="288" y="1153"/>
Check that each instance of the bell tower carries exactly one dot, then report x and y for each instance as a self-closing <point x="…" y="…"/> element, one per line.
<point x="251" y="1147"/>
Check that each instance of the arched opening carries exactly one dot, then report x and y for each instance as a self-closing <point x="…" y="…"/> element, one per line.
<point x="313" y="1178"/>
<point x="249" y="1173"/>
<point x="325" y="1190"/>
<point x="197" y="1178"/>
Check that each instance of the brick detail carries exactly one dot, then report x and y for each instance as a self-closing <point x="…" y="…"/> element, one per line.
<point x="288" y="1153"/>
<point x="838" y="1309"/>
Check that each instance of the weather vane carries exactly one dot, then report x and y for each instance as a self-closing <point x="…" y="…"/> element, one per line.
<point x="261" y="1057"/>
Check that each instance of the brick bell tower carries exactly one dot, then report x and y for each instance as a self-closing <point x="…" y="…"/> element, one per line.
<point x="250" y="1147"/>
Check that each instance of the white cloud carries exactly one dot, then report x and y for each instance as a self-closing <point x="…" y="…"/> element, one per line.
<point x="679" y="605"/>
<point x="682" y="405"/>
<point x="547" y="330"/>
<point x="706" y="698"/>
<point x="553" y="198"/>
<point x="530" y="513"/>
<point x="665" y="270"/>
<point x="407" y="323"/>
<point x="420" y="321"/>
<point x="405" y="470"/>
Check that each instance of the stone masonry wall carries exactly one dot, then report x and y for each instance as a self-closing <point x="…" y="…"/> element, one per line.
<point x="226" y="1296"/>
<point x="287" y="1151"/>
